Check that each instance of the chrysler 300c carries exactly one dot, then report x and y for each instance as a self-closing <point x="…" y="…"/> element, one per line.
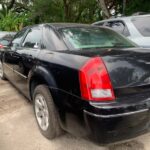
<point x="89" y="81"/>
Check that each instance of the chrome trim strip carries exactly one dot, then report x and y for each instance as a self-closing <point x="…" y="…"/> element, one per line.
<point x="15" y="71"/>
<point x="20" y="74"/>
<point x="8" y="66"/>
<point x="116" y="115"/>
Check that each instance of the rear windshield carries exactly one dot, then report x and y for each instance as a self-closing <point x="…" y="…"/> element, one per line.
<point x="142" y="24"/>
<point x="94" y="37"/>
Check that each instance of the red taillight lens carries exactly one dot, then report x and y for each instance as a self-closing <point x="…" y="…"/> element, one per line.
<point x="95" y="84"/>
<point x="1" y="46"/>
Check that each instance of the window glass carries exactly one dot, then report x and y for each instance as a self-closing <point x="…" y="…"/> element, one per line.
<point x="119" y="27"/>
<point x="4" y="42"/>
<point x="33" y="38"/>
<point x="142" y="24"/>
<point x="18" y="37"/>
<point x="93" y="37"/>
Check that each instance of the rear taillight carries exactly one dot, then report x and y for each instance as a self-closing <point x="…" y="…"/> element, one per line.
<point x="1" y="46"/>
<point x="95" y="84"/>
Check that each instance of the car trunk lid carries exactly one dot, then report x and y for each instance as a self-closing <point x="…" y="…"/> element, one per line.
<point x="126" y="67"/>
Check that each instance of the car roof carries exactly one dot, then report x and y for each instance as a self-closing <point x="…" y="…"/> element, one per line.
<point x="59" y="25"/>
<point x="66" y="25"/>
<point x="122" y="18"/>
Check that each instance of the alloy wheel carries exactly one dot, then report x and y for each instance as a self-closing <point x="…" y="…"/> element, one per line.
<point x="41" y="112"/>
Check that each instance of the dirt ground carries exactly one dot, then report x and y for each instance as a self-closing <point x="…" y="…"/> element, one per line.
<point x="19" y="131"/>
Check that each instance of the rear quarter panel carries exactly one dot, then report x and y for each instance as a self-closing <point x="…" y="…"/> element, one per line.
<point x="64" y="69"/>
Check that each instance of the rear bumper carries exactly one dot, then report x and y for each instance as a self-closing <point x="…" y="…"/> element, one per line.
<point x="105" y="123"/>
<point x="113" y="126"/>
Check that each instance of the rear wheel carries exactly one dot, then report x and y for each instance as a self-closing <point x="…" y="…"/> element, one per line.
<point x="45" y="112"/>
<point x="1" y="71"/>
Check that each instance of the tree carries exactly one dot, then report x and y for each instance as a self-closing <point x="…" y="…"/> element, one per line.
<point x="14" y="14"/>
<point x="66" y="11"/>
<point x="104" y="7"/>
<point x="124" y="7"/>
<point x="13" y="22"/>
<point x="137" y="6"/>
<point x="111" y="7"/>
<point x="15" y="5"/>
<point x="83" y="11"/>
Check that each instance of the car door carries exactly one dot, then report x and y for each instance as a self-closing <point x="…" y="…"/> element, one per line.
<point x="26" y="57"/>
<point x="9" y="59"/>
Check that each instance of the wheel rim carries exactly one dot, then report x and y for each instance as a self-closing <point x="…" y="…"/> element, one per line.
<point x="41" y="112"/>
<point x="1" y="70"/>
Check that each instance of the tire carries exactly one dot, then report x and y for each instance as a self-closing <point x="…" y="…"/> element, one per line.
<point x="2" y="76"/>
<point x="44" y="108"/>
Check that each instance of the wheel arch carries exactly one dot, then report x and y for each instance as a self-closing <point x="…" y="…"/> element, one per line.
<point x="40" y="76"/>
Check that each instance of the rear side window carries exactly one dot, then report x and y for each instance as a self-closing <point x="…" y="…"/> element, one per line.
<point x="119" y="27"/>
<point x="142" y="24"/>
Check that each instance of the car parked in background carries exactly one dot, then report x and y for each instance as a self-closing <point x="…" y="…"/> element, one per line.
<point x="5" y="38"/>
<point x="89" y="81"/>
<point x="136" y="28"/>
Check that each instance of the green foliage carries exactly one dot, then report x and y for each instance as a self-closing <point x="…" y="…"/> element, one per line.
<point x="137" y="6"/>
<point x="11" y="21"/>
<point x="47" y="10"/>
<point x="65" y="11"/>
<point x="18" y="13"/>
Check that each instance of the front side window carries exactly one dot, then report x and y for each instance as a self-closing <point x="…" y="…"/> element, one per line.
<point x="19" y="37"/>
<point x="93" y="37"/>
<point x="33" y="38"/>
<point x="142" y="24"/>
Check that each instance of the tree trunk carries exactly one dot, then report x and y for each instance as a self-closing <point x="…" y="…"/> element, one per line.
<point x="66" y="10"/>
<point x="124" y="7"/>
<point x="102" y="4"/>
<point x="11" y="4"/>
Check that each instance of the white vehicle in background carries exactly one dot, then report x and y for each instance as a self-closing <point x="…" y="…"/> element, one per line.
<point x="136" y="28"/>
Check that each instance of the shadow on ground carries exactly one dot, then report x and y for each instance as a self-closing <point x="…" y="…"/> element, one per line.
<point x="132" y="145"/>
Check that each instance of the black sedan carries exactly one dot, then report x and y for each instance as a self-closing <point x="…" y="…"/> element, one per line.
<point x="88" y="81"/>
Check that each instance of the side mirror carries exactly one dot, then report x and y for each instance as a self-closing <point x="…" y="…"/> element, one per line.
<point x="36" y="46"/>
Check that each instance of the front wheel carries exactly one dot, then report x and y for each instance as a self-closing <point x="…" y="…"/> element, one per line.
<point x="45" y="112"/>
<point x="1" y="71"/>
